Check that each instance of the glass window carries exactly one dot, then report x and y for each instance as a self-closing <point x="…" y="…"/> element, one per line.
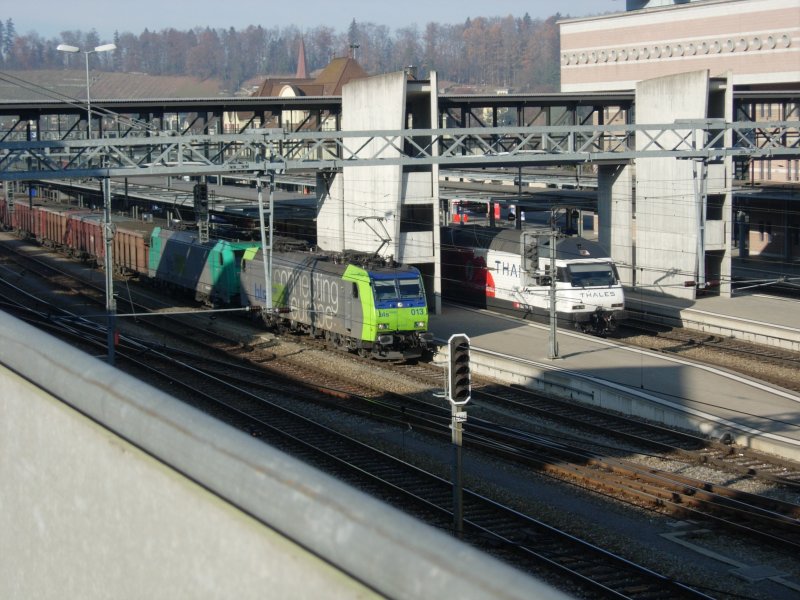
<point x="410" y="288"/>
<point x="591" y="274"/>
<point x="385" y="290"/>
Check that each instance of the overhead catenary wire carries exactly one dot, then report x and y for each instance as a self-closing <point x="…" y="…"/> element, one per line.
<point x="365" y="240"/>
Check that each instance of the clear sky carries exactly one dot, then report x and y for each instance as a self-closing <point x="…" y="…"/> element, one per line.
<point x="50" y="17"/>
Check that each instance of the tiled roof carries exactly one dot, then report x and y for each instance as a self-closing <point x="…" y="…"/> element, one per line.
<point x="56" y="84"/>
<point x="328" y="82"/>
<point x="71" y="84"/>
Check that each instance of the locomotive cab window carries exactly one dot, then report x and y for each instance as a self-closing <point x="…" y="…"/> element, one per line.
<point x="410" y="288"/>
<point x="385" y="290"/>
<point x="591" y="275"/>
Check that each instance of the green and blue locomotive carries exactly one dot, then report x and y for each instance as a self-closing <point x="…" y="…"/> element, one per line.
<point x="178" y="260"/>
<point x="356" y="302"/>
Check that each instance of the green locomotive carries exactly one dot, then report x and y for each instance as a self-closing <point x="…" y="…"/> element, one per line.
<point x="177" y="259"/>
<point x="356" y="302"/>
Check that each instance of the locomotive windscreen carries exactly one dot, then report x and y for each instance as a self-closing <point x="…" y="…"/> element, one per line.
<point x="591" y="274"/>
<point x="396" y="289"/>
<point x="385" y="290"/>
<point x="410" y="288"/>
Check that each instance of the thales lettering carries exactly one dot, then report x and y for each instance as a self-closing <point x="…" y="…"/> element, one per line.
<point x="598" y="294"/>
<point x="509" y="269"/>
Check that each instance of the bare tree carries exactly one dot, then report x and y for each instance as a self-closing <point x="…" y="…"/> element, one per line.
<point x="519" y="53"/>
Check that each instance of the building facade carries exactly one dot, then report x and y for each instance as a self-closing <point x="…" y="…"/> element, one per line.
<point x="673" y="222"/>
<point x="757" y="41"/>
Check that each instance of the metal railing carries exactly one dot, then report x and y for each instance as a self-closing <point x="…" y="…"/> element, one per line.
<point x="277" y="150"/>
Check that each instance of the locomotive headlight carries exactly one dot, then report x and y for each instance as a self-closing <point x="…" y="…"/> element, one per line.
<point x="383" y="326"/>
<point x="419" y="324"/>
<point x="578" y="306"/>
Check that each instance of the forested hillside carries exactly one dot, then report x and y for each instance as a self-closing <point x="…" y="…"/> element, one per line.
<point x="520" y="54"/>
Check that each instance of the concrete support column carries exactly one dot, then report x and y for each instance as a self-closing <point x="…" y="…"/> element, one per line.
<point x="614" y="211"/>
<point x="330" y="212"/>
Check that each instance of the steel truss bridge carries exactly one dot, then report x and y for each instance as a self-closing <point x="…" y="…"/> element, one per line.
<point x="278" y="150"/>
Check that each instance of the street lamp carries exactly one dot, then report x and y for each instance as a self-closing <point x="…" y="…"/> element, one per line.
<point x="108" y="232"/>
<point x="73" y="50"/>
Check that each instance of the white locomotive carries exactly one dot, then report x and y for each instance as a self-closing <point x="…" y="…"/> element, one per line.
<point x="510" y="270"/>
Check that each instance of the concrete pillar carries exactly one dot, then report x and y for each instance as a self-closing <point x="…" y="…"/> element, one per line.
<point x="615" y="209"/>
<point x="330" y="212"/>
<point x="667" y="220"/>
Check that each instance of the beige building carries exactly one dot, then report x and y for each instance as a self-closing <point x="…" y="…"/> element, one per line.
<point x="757" y="41"/>
<point x="753" y="43"/>
<point x="672" y="221"/>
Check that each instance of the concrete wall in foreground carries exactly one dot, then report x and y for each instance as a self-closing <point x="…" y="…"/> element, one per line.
<point x="110" y="488"/>
<point x="85" y="514"/>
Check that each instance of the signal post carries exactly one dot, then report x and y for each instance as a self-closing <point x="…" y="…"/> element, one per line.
<point x="459" y="392"/>
<point x="200" y="194"/>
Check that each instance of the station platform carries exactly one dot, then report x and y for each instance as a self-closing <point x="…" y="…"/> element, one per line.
<point x="751" y="316"/>
<point x="653" y="386"/>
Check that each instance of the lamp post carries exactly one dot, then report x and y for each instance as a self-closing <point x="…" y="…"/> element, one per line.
<point x="108" y="232"/>
<point x="74" y="49"/>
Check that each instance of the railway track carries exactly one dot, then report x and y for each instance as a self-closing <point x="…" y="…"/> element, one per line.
<point x="636" y="435"/>
<point x="644" y="436"/>
<point x="589" y="464"/>
<point x="679" y="496"/>
<point x="529" y="543"/>
<point x="767" y="363"/>
<point x="619" y="433"/>
<point x="683" y="496"/>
